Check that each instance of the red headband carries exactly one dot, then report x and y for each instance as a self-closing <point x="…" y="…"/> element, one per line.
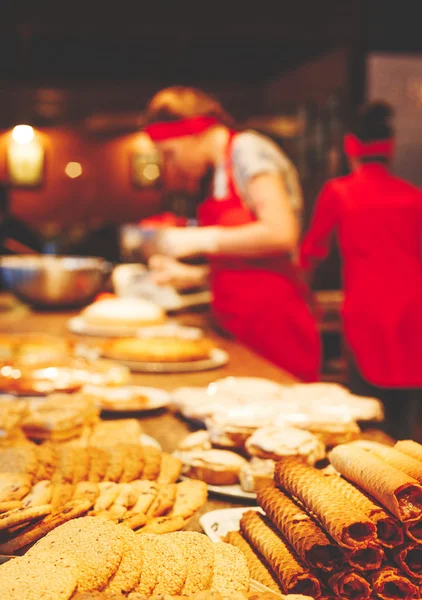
<point x="159" y="132"/>
<point x="355" y="148"/>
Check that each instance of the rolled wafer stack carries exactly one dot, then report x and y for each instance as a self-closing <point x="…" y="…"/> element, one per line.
<point x="414" y="531"/>
<point x="293" y="575"/>
<point x="409" y="558"/>
<point x="350" y="528"/>
<point x="302" y="532"/>
<point x="366" y="559"/>
<point x="410" y="448"/>
<point x="392" y="456"/>
<point x="257" y="568"/>
<point x="398" y="492"/>
<point x="389" y="530"/>
<point x="347" y="584"/>
<point x="389" y="584"/>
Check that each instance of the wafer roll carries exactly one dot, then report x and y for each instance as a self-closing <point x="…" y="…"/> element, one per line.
<point x="257" y="568"/>
<point x="392" y="456"/>
<point x="389" y="584"/>
<point x="410" y="448"/>
<point x="409" y="558"/>
<point x="349" y="585"/>
<point x="305" y="536"/>
<point x="389" y="530"/>
<point x="414" y="531"/>
<point x="292" y="574"/>
<point x="398" y="492"/>
<point x="366" y="559"/>
<point x="347" y="525"/>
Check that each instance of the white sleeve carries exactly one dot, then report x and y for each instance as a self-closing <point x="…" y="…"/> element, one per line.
<point x="254" y="155"/>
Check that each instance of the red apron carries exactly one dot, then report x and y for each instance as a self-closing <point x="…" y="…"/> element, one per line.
<point x="378" y="221"/>
<point x="261" y="301"/>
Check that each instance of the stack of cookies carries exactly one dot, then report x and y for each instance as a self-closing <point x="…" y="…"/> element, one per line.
<point x="357" y="535"/>
<point x="89" y="554"/>
<point x="205" y="595"/>
<point x="44" y="486"/>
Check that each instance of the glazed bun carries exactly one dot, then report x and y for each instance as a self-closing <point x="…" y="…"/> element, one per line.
<point x="374" y="121"/>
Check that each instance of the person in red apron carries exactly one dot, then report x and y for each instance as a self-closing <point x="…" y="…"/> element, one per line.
<point x="377" y="218"/>
<point x="248" y="236"/>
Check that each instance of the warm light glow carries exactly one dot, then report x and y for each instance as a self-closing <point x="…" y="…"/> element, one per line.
<point x="23" y="134"/>
<point x="151" y="172"/>
<point x="73" y="170"/>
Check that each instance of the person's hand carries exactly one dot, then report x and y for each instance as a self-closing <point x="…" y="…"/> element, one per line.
<point x="179" y="242"/>
<point x="168" y="271"/>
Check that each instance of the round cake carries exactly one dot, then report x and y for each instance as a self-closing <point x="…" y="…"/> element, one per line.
<point x="123" y="312"/>
<point x="164" y="349"/>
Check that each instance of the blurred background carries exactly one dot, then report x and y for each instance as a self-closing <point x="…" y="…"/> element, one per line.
<point x="80" y="73"/>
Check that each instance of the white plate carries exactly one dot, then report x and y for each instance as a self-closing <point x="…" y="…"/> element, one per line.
<point x="234" y="491"/>
<point x="217" y="523"/>
<point x="157" y="398"/>
<point x="218" y="358"/>
<point x="147" y="440"/>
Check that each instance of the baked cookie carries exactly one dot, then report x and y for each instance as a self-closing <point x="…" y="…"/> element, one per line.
<point x="276" y="442"/>
<point x="198" y="551"/>
<point x="128" y="573"/>
<point x="215" y="467"/>
<point x="231" y="573"/>
<point x="170" y="564"/>
<point x="96" y="546"/>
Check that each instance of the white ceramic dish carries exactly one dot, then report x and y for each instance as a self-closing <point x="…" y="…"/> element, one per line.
<point x="157" y="398"/>
<point x="218" y="358"/>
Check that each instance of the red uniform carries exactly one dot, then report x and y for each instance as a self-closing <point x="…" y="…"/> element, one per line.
<point x="262" y="302"/>
<point x="378" y="221"/>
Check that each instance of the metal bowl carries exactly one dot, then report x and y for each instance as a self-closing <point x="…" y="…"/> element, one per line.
<point x="54" y="281"/>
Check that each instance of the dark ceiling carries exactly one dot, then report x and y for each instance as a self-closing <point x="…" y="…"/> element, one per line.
<point x="182" y="41"/>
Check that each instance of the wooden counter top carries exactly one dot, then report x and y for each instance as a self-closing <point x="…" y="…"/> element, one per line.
<point x="166" y="427"/>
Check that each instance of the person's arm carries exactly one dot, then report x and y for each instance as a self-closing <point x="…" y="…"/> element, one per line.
<point x="276" y="229"/>
<point x="317" y="241"/>
<point x="168" y="271"/>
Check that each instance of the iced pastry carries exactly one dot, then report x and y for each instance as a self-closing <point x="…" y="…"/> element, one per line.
<point x="215" y="467"/>
<point x="256" y="474"/>
<point x="277" y="442"/>
<point x="123" y="312"/>
<point x="198" y="440"/>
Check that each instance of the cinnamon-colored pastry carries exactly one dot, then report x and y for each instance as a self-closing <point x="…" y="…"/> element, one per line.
<point x="398" y="492"/>
<point x="350" y="528"/>
<point x="165" y="349"/>
<point x="305" y="536"/>
<point x="366" y="559"/>
<point x="389" y="530"/>
<point x="392" y="456"/>
<point x="292" y="574"/>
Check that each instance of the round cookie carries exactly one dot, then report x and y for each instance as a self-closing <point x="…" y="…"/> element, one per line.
<point x="199" y="557"/>
<point x="150" y="559"/>
<point x="129" y="571"/>
<point x="170" y="564"/>
<point x="95" y="544"/>
<point x="231" y="573"/>
<point x="39" y="576"/>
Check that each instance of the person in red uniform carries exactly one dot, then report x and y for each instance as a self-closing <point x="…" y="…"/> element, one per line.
<point x="377" y="219"/>
<point x="249" y="228"/>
